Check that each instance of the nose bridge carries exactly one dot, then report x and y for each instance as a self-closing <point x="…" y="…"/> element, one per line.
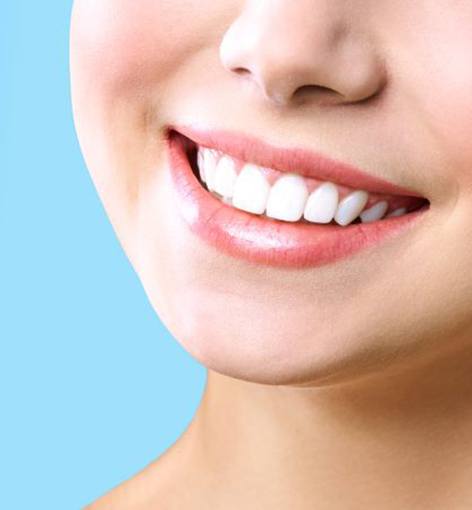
<point x="287" y="46"/>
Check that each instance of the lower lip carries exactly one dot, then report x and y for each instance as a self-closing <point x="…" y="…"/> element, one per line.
<point x="264" y="241"/>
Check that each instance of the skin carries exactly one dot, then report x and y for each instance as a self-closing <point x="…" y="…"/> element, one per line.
<point x="344" y="386"/>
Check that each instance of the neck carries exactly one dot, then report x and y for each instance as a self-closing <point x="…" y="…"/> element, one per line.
<point x="381" y="442"/>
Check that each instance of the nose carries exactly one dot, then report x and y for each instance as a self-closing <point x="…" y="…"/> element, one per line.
<point x="303" y="50"/>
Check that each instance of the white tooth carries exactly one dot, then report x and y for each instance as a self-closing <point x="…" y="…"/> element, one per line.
<point x="350" y="207"/>
<point x="322" y="203"/>
<point x="287" y="198"/>
<point x="397" y="212"/>
<point x="201" y="164"/>
<point x="375" y="212"/>
<point x="210" y="159"/>
<point x="251" y="190"/>
<point x="224" y="177"/>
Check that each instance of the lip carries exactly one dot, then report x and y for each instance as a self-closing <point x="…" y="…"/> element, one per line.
<point x="297" y="160"/>
<point x="261" y="240"/>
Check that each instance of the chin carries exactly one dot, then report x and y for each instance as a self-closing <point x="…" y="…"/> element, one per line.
<point x="264" y="351"/>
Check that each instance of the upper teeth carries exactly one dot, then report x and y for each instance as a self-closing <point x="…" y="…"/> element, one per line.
<point x="288" y="199"/>
<point x="251" y="190"/>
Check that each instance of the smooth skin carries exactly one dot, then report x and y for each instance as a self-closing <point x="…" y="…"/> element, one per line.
<point x="346" y="386"/>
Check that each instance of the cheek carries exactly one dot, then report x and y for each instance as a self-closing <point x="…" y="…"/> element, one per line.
<point x="428" y="46"/>
<point x="124" y="44"/>
<point x="125" y="58"/>
<point x="451" y="97"/>
<point x="446" y="79"/>
<point x="123" y="55"/>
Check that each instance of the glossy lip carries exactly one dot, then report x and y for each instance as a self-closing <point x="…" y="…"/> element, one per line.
<point x="261" y="240"/>
<point x="297" y="160"/>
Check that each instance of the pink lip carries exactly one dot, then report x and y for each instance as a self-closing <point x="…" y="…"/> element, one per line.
<point x="300" y="161"/>
<point x="261" y="240"/>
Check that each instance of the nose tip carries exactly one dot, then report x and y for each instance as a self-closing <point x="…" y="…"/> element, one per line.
<point x="292" y="59"/>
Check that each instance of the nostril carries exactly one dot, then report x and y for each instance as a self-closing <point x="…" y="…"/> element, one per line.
<point x="317" y="91"/>
<point x="305" y="89"/>
<point x="240" y="70"/>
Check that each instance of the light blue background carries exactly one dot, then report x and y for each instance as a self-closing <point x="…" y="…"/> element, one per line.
<point x="92" y="386"/>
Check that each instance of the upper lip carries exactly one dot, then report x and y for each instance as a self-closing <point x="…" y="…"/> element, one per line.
<point x="297" y="160"/>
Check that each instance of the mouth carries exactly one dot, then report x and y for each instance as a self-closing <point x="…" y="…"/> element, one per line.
<point x="282" y="207"/>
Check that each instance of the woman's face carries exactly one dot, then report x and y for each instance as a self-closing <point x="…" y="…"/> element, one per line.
<point x="383" y="86"/>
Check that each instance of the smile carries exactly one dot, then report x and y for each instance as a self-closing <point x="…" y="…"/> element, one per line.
<point x="282" y="207"/>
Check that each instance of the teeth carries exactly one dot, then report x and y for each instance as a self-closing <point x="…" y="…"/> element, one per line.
<point x="350" y="207"/>
<point x="251" y="190"/>
<point x="224" y="177"/>
<point x="375" y="212"/>
<point x="208" y="160"/>
<point x="201" y="163"/>
<point x="322" y="203"/>
<point x="396" y="212"/>
<point x="287" y="198"/>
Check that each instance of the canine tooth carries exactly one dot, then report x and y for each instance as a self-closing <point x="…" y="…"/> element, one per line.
<point x="251" y="190"/>
<point x="224" y="177"/>
<point x="210" y="160"/>
<point x="322" y="203"/>
<point x="397" y="212"/>
<point x="375" y="212"/>
<point x="287" y="198"/>
<point x="350" y="207"/>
